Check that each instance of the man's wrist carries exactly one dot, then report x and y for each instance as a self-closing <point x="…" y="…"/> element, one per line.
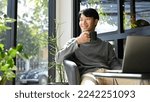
<point x="78" y="40"/>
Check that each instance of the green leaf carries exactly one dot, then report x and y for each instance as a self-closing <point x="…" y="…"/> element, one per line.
<point x="10" y="75"/>
<point x="2" y="55"/>
<point x="10" y="62"/>
<point x="1" y="47"/>
<point x="19" y="47"/>
<point x="12" y="52"/>
<point x="4" y="67"/>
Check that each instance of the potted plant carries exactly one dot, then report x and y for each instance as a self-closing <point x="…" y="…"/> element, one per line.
<point x="59" y="67"/>
<point x="7" y="57"/>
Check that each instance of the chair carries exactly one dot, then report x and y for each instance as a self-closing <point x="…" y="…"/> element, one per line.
<point x="72" y="72"/>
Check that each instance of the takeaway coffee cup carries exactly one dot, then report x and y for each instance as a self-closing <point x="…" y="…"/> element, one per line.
<point x="93" y="35"/>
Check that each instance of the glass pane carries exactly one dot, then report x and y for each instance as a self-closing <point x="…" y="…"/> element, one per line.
<point x="32" y="32"/>
<point x="3" y="5"/>
<point x="3" y="15"/>
<point x="107" y="10"/>
<point x="142" y="16"/>
<point x="127" y="21"/>
<point x="142" y="12"/>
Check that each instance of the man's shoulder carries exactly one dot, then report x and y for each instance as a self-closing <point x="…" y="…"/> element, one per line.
<point x="103" y="41"/>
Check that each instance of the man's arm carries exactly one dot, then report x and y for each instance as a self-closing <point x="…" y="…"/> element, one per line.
<point x="114" y="62"/>
<point x="71" y="46"/>
<point x="68" y="49"/>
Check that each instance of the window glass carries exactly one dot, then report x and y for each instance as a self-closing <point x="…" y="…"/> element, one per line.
<point x="3" y="5"/>
<point x="142" y="16"/>
<point x="3" y="15"/>
<point x="107" y="10"/>
<point x="142" y="12"/>
<point x="32" y="32"/>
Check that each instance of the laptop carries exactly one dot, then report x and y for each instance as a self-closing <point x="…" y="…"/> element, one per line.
<point x="136" y="61"/>
<point x="136" y="55"/>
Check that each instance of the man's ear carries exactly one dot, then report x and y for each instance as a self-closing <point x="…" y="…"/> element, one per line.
<point x="96" y="21"/>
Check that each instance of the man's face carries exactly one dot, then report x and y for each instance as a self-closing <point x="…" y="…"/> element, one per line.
<point x="87" y="23"/>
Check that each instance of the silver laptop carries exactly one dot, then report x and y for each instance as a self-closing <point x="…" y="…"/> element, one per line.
<point x="136" y="55"/>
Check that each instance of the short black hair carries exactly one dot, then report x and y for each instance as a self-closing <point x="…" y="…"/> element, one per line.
<point x="89" y="12"/>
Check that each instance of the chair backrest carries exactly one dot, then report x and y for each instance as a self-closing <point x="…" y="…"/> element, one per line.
<point x="72" y="71"/>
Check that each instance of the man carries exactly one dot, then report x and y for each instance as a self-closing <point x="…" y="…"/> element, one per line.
<point x="89" y="55"/>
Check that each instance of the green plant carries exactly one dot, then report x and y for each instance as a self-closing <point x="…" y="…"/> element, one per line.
<point x="7" y="57"/>
<point x="3" y="21"/>
<point x="51" y="41"/>
<point x="59" y="67"/>
<point x="7" y="63"/>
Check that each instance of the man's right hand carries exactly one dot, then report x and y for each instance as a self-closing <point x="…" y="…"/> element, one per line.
<point x="83" y="38"/>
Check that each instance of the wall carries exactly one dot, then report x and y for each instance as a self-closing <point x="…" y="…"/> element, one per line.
<point x="64" y="21"/>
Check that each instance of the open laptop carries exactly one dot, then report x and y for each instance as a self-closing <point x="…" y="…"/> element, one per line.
<point x="136" y="59"/>
<point x="136" y="55"/>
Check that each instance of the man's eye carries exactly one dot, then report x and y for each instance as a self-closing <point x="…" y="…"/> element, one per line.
<point x="88" y="19"/>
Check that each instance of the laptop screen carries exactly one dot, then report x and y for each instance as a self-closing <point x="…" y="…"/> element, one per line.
<point x="137" y="55"/>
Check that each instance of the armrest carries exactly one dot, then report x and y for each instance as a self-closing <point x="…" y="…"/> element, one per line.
<point x="72" y="72"/>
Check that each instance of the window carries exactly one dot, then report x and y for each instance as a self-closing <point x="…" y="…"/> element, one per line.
<point x="3" y="5"/>
<point x="32" y="32"/>
<point x="137" y="14"/>
<point x="3" y="15"/>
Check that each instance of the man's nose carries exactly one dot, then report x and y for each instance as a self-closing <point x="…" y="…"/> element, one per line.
<point x="84" y="22"/>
